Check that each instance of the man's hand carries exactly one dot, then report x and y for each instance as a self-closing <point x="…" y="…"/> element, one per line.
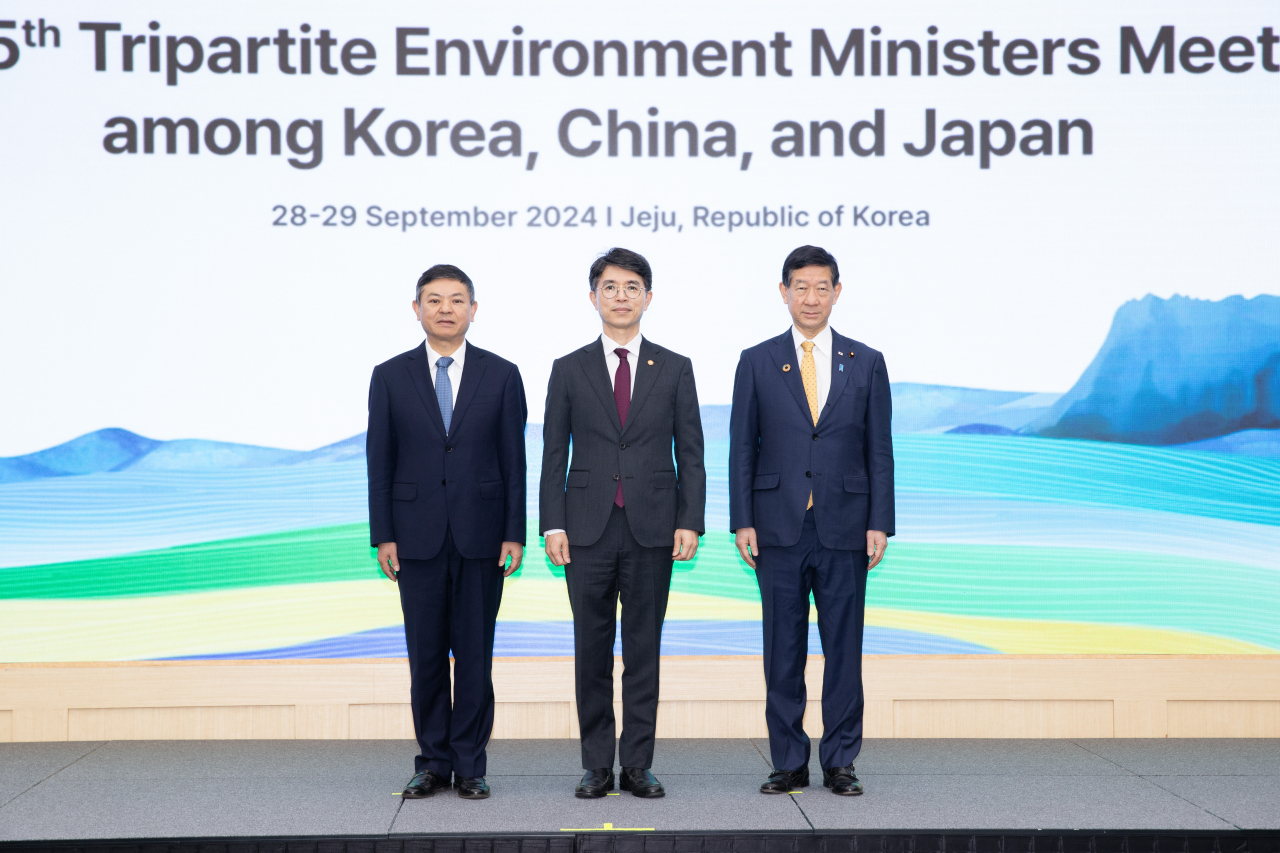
<point x="877" y="542"/>
<point x="515" y="551"/>
<point x="747" y="548"/>
<point x="388" y="559"/>
<point x="686" y="545"/>
<point x="557" y="548"/>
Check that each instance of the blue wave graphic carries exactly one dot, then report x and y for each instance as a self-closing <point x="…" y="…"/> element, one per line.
<point x="99" y="515"/>
<point x="950" y="488"/>
<point x="1086" y="473"/>
<point x="542" y="639"/>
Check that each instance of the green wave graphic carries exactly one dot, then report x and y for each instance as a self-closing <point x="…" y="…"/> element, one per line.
<point x="1060" y="584"/>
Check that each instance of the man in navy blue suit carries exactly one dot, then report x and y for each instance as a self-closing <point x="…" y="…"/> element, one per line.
<point x="447" y="514"/>
<point x="811" y="502"/>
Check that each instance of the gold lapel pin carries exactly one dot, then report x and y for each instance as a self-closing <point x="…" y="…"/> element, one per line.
<point x="651" y="362"/>
<point x="785" y="368"/>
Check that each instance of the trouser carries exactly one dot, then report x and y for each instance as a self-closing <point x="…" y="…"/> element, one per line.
<point x="451" y="602"/>
<point x="616" y="565"/>
<point x="838" y="581"/>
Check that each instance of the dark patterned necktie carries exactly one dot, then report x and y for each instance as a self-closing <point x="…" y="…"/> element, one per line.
<point x="622" y="397"/>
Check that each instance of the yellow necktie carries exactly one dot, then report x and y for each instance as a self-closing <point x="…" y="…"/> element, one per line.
<point x="809" y="375"/>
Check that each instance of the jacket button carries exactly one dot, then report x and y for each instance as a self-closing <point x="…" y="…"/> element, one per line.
<point x="808" y="473"/>
<point x="449" y="448"/>
<point x="815" y="436"/>
<point x="444" y="482"/>
<point x="617" y="477"/>
<point x="623" y="446"/>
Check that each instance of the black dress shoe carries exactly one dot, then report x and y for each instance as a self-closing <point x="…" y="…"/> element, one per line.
<point x="472" y="788"/>
<point x="595" y="784"/>
<point x="641" y="783"/>
<point x="841" y="781"/>
<point x="785" y="781"/>
<point x="424" y="784"/>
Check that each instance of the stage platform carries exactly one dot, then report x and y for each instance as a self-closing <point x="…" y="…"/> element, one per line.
<point x="944" y="796"/>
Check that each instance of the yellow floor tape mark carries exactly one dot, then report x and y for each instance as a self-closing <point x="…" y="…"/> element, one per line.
<point x="613" y="795"/>
<point x="795" y="792"/>
<point x="608" y="827"/>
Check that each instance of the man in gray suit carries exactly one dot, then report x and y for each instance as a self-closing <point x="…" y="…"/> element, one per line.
<point x="626" y="508"/>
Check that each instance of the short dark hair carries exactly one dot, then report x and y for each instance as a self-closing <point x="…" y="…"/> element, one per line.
<point x="446" y="271"/>
<point x="627" y="260"/>
<point x="810" y="256"/>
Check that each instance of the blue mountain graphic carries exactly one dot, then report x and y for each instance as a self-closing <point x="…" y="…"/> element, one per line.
<point x="1175" y="371"/>
<point x="120" y="450"/>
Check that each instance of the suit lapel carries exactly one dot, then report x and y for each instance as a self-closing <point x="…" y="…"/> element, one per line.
<point x="784" y="356"/>
<point x="646" y="375"/>
<point x="591" y="360"/>
<point x="419" y="365"/>
<point x="841" y="356"/>
<point x="472" y="374"/>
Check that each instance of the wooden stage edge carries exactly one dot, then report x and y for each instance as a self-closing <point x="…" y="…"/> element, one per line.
<point x="944" y="696"/>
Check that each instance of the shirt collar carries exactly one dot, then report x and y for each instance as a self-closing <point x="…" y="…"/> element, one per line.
<point x="821" y="342"/>
<point x="459" y="355"/>
<point x="633" y="348"/>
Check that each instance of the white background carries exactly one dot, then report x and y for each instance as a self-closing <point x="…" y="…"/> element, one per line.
<point x="151" y="292"/>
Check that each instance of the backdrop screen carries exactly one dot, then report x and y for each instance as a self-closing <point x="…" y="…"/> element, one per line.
<point x="1057" y="221"/>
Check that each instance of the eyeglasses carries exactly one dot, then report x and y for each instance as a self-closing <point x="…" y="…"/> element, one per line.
<point x="610" y="291"/>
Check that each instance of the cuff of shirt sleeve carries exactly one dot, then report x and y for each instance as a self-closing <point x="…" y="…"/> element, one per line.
<point x="547" y="533"/>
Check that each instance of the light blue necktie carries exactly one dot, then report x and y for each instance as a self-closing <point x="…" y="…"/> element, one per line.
<point x="444" y="390"/>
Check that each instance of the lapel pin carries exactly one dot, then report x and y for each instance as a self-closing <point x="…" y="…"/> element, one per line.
<point x="651" y="362"/>
<point x="785" y="368"/>
<point x="842" y="368"/>
<point x="839" y="353"/>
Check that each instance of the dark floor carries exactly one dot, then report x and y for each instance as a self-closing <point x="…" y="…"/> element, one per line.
<point x="169" y="789"/>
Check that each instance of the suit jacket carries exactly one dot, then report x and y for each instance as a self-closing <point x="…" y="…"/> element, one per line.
<point x="422" y="480"/>
<point x="661" y="494"/>
<point x="777" y="455"/>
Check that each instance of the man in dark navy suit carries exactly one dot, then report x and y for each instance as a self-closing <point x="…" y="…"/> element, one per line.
<point x="811" y="501"/>
<point x="447" y="514"/>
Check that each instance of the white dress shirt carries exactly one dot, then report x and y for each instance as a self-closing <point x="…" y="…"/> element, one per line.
<point x="454" y="370"/>
<point x="821" y="360"/>
<point x="611" y="360"/>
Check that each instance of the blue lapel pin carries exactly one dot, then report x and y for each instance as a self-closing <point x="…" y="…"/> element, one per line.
<point x="842" y="368"/>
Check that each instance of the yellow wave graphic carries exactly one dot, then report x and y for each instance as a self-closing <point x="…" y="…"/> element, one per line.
<point x="226" y="621"/>
<point x="201" y="623"/>
<point x="1043" y="637"/>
